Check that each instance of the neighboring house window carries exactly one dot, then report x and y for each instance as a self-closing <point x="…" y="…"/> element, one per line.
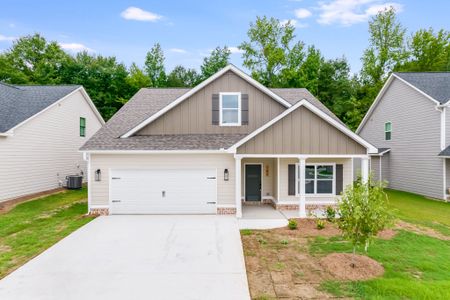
<point x="387" y="131"/>
<point x="82" y="126"/>
<point x="319" y="179"/>
<point x="230" y="109"/>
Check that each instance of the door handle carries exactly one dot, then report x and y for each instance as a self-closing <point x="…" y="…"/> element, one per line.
<point x="163" y="194"/>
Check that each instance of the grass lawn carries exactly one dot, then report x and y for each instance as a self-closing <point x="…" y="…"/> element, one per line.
<point x="31" y="227"/>
<point x="417" y="266"/>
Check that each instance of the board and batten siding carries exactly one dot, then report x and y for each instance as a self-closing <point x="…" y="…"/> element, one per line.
<point x="99" y="190"/>
<point x="194" y="115"/>
<point x="284" y="176"/>
<point x="302" y="132"/>
<point x="413" y="161"/>
<point x="44" y="150"/>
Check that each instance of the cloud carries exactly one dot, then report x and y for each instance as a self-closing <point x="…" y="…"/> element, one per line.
<point x="177" y="50"/>
<point x="75" y="47"/>
<point x="6" y="38"/>
<point x="349" y="12"/>
<point x="234" y="50"/>
<point x="302" y="13"/>
<point x="137" y="14"/>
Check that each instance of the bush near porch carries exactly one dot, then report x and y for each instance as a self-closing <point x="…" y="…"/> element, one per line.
<point x="287" y="263"/>
<point x="31" y="227"/>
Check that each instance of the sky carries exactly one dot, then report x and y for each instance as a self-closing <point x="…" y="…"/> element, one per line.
<point x="189" y="30"/>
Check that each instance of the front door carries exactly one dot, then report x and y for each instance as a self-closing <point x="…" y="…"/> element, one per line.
<point x="253" y="182"/>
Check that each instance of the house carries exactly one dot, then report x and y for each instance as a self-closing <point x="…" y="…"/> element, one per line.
<point x="41" y="130"/>
<point x="227" y="142"/>
<point x="409" y="122"/>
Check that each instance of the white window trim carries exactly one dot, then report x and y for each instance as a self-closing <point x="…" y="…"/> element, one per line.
<point x="385" y="131"/>
<point x="221" y="109"/>
<point x="315" y="194"/>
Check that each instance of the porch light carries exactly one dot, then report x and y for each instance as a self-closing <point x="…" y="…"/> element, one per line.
<point x="98" y="175"/>
<point x="226" y="175"/>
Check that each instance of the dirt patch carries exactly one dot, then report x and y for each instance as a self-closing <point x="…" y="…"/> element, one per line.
<point x="6" y="206"/>
<point x="340" y="266"/>
<point x="387" y="234"/>
<point x="421" y="230"/>
<point x="308" y="228"/>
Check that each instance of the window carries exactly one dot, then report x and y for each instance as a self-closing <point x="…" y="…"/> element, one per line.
<point x="230" y="109"/>
<point x="319" y="179"/>
<point x="82" y="126"/>
<point x="387" y="131"/>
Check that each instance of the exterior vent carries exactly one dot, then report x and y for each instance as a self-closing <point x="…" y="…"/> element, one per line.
<point x="74" y="182"/>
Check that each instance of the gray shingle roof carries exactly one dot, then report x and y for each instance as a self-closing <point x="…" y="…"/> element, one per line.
<point x="148" y="101"/>
<point x="20" y="102"/>
<point x="434" y="84"/>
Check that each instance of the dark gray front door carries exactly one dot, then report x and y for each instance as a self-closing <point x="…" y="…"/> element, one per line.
<point x="253" y="182"/>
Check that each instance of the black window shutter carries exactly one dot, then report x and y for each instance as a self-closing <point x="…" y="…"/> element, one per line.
<point x="244" y="109"/>
<point x="215" y="109"/>
<point x="339" y="179"/>
<point x="291" y="180"/>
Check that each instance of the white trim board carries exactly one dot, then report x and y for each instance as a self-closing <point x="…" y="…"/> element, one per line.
<point x="314" y="109"/>
<point x="381" y="94"/>
<point x="80" y="89"/>
<point x="199" y="87"/>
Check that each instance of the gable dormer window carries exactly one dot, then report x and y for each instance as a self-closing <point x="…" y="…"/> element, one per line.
<point x="230" y="109"/>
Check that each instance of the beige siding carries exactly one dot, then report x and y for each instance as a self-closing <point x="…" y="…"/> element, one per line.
<point x="268" y="174"/>
<point x="414" y="165"/>
<point x="193" y="116"/>
<point x="105" y="162"/>
<point x="303" y="132"/>
<point x="45" y="149"/>
<point x="284" y="162"/>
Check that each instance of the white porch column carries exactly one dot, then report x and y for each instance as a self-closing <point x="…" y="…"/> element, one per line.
<point x="238" y="187"/>
<point x="365" y="169"/>
<point x="301" y="188"/>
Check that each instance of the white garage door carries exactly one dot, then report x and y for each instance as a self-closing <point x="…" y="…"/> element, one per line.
<point x="184" y="191"/>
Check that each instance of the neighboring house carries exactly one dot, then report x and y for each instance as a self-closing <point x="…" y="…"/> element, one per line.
<point x="41" y="131"/>
<point x="409" y="122"/>
<point x="228" y="141"/>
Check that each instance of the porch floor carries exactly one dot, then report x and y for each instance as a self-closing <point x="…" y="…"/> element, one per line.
<point x="263" y="216"/>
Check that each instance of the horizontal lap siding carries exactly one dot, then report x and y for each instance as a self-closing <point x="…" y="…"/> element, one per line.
<point x="302" y="132"/>
<point x="194" y="115"/>
<point x="44" y="150"/>
<point x="413" y="162"/>
<point x="104" y="162"/>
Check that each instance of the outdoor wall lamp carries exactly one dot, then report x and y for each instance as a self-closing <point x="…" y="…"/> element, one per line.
<point x="226" y="175"/>
<point x="98" y="175"/>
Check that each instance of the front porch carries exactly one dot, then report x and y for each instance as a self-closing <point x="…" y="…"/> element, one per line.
<point x="269" y="187"/>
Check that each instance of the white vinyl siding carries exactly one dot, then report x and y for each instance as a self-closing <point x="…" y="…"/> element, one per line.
<point x="44" y="150"/>
<point x="413" y="161"/>
<point x="105" y="162"/>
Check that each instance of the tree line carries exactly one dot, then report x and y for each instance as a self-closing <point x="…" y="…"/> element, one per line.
<point x="272" y="53"/>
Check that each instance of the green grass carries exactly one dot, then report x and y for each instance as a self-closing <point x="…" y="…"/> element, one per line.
<point x="420" y="210"/>
<point x="31" y="227"/>
<point x="416" y="266"/>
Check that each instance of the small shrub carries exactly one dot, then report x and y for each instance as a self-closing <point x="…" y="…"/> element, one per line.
<point x="330" y="214"/>
<point x="246" y="232"/>
<point x="261" y="241"/>
<point x="284" y="242"/>
<point x="293" y="224"/>
<point x="320" y="224"/>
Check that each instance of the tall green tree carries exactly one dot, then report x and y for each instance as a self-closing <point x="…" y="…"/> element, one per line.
<point x="218" y="59"/>
<point x="428" y="51"/>
<point x="386" y="47"/>
<point x="103" y="78"/>
<point x="137" y="79"/>
<point x="182" y="77"/>
<point x="271" y="53"/>
<point x="32" y="59"/>
<point x="154" y="66"/>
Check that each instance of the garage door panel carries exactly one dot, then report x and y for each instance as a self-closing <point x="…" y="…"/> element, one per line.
<point x="163" y="191"/>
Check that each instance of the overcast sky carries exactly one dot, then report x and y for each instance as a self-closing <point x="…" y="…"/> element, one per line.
<point x="188" y="30"/>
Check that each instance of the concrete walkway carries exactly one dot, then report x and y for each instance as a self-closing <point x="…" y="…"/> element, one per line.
<point x="263" y="217"/>
<point x="138" y="257"/>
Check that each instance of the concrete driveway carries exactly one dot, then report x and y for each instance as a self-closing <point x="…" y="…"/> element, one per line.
<point x="138" y="257"/>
